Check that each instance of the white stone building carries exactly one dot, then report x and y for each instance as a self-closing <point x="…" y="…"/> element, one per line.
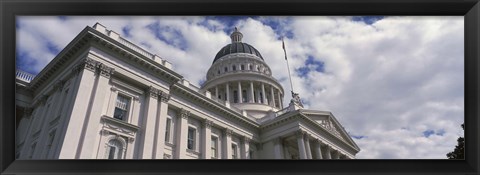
<point x="103" y="97"/>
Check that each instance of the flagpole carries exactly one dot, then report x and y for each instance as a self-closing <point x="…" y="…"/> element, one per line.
<point x="288" y="67"/>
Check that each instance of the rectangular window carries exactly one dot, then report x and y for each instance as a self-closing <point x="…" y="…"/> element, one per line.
<point x="250" y="154"/>
<point x="234" y="151"/>
<point x="191" y="139"/>
<point x="242" y="67"/>
<point x="214" y="146"/>
<point x="244" y="96"/>
<point x="167" y="130"/>
<point x="121" y="107"/>
<point x="235" y="96"/>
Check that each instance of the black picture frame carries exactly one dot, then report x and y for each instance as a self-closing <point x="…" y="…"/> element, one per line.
<point x="470" y="9"/>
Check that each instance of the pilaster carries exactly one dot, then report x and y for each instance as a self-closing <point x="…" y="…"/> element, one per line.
<point x="182" y="123"/>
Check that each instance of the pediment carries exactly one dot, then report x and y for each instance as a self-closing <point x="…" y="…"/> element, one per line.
<point x="327" y="121"/>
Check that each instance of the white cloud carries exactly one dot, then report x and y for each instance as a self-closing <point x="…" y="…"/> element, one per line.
<point x="399" y="72"/>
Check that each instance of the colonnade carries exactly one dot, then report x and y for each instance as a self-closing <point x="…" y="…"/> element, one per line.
<point x="306" y="150"/>
<point x="249" y="92"/>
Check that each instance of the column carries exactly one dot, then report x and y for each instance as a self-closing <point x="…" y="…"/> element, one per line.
<point x="182" y="130"/>
<point x="161" y="124"/>
<point x="307" y="146"/>
<point x="286" y="154"/>
<point x="207" y="139"/>
<point x="76" y="114"/>
<point x="227" y="92"/>
<point x="227" y="144"/>
<point x="263" y="94"/>
<point x="277" y="147"/>
<point x="301" y="145"/>
<point x="150" y="120"/>
<point x="336" y="154"/>
<point x="280" y="103"/>
<point x="91" y="126"/>
<point x="272" y="94"/>
<point x="216" y="92"/>
<point x="251" y="93"/>
<point x="245" y="148"/>
<point x="327" y="152"/>
<point x="240" y="92"/>
<point x="318" y="149"/>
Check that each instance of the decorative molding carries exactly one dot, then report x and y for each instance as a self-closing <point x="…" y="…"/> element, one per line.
<point x="114" y="89"/>
<point x="306" y="136"/>
<point x="131" y="139"/>
<point x="104" y="70"/>
<point x="166" y="156"/>
<point x="277" y="140"/>
<point x="184" y="113"/>
<point x="245" y="140"/>
<point x="300" y="133"/>
<point x="104" y="132"/>
<point x="58" y="86"/>
<point x="164" y="97"/>
<point x="228" y="132"/>
<point x="207" y="124"/>
<point x="153" y="92"/>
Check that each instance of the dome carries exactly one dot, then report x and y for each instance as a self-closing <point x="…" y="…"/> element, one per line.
<point x="237" y="46"/>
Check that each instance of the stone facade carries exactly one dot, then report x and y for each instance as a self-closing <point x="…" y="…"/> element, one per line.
<point x="106" y="98"/>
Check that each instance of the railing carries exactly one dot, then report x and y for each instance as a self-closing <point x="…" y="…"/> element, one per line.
<point x="135" y="48"/>
<point x="24" y="76"/>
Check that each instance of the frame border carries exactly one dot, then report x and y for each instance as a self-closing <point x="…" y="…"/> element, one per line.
<point x="470" y="9"/>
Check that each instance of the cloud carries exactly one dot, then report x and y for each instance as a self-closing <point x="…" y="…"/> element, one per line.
<point x="388" y="80"/>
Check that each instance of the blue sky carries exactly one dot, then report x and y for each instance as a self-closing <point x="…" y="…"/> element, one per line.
<point x="395" y="83"/>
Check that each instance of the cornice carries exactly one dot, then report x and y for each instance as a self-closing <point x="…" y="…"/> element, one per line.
<point x="89" y="35"/>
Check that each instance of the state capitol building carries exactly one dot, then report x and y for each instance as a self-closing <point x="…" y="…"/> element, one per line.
<point x="104" y="97"/>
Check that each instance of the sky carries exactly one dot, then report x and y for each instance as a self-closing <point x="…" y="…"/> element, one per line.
<point x="396" y="84"/>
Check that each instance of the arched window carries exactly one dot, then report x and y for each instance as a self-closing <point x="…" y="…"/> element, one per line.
<point x="250" y="67"/>
<point x="242" y="67"/>
<point x="234" y="68"/>
<point x="226" y="69"/>
<point x="114" y="149"/>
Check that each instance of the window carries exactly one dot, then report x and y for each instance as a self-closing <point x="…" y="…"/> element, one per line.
<point x="250" y="154"/>
<point x="242" y="67"/>
<point x="121" y="107"/>
<point x="191" y="138"/>
<point x="234" y="151"/>
<point x="261" y="97"/>
<point x="167" y="130"/>
<point x="234" y="68"/>
<point x="250" y="67"/>
<point x="244" y="96"/>
<point x="214" y="146"/>
<point x="235" y="96"/>
<point x="114" y="149"/>
<point x="226" y="69"/>
<point x="218" y="72"/>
